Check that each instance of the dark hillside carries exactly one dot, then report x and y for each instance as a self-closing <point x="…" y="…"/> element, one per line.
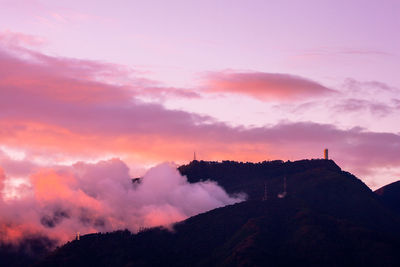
<point x="278" y="232"/>
<point x="250" y="177"/>
<point x="390" y="195"/>
<point x="328" y="218"/>
<point x="321" y="184"/>
<point x="25" y="252"/>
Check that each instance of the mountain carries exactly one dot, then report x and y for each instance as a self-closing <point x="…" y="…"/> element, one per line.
<point x="390" y="195"/>
<point x="254" y="233"/>
<point x="320" y="184"/>
<point x="328" y="218"/>
<point x="26" y="251"/>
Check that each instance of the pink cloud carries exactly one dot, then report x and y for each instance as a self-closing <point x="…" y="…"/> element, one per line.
<point x="396" y="102"/>
<point x="352" y="105"/>
<point x="45" y="99"/>
<point x="2" y="178"/>
<point x="368" y="86"/>
<point x="16" y="167"/>
<point x="11" y="38"/>
<point x="266" y="86"/>
<point x="163" y="93"/>
<point x="101" y="197"/>
<point x="58" y="108"/>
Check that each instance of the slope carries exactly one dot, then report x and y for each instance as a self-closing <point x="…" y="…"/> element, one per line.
<point x="390" y="195"/>
<point x="329" y="218"/>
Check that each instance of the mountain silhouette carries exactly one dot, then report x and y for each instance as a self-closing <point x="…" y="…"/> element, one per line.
<point x="327" y="218"/>
<point x="390" y="195"/>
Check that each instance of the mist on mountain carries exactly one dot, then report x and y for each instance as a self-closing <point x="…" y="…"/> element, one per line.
<point x="327" y="218"/>
<point x="88" y="198"/>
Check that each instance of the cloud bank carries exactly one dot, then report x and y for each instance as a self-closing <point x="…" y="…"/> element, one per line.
<point x="101" y="197"/>
<point x="59" y="109"/>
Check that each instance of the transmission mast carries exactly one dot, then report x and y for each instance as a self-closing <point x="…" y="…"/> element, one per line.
<point x="284" y="185"/>
<point x="265" y="192"/>
<point x="284" y="193"/>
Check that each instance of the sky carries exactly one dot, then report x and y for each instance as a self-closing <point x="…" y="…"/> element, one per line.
<point x="146" y="82"/>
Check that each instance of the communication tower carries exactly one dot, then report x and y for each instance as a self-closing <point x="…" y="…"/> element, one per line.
<point x="284" y="193"/>
<point x="264" y="198"/>
<point x="326" y="154"/>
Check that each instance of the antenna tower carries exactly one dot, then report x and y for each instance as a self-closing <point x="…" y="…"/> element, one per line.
<point x="265" y="192"/>
<point x="284" y="185"/>
<point x="284" y="193"/>
<point x="194" y="156"/>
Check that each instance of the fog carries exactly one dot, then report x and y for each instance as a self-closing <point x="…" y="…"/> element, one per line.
<point x="58" y="202"/>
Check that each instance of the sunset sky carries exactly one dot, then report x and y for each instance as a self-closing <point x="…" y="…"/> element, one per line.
<point x="153" y="81"/>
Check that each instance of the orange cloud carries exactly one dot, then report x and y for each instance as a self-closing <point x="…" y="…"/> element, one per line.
<point x="50" y="185"/>
<point x="59" y="109"/>
<point x="101" y="197"/>
<point x="265" y="86"/>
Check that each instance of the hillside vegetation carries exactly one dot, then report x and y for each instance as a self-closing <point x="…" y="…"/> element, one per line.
<point x="328" y="218"/>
